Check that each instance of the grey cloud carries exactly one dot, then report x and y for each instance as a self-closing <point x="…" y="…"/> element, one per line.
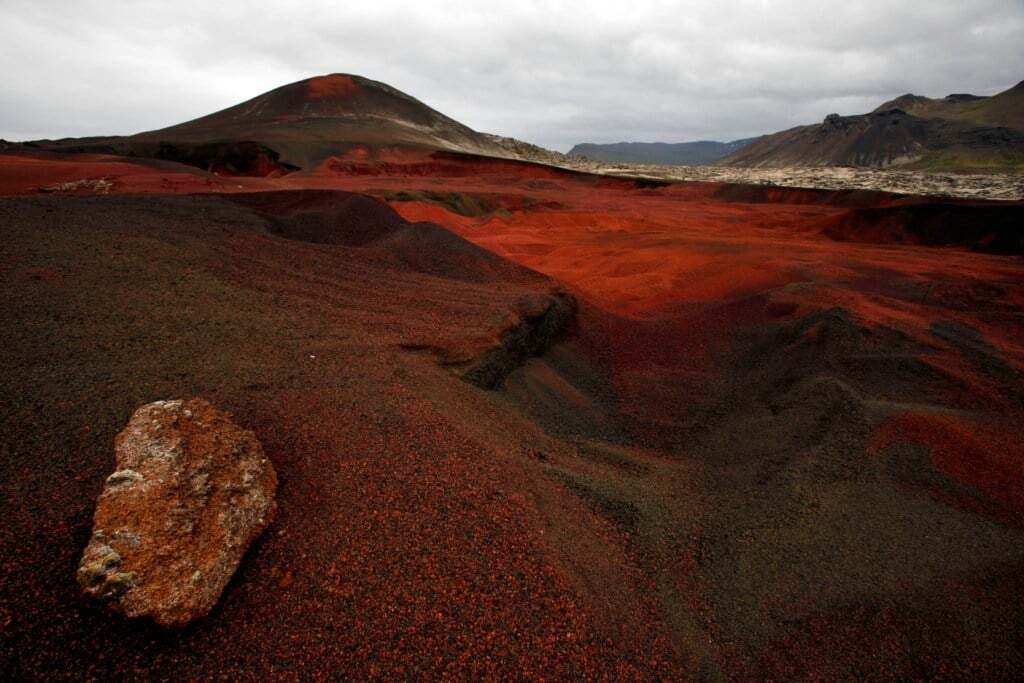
<point x="555" y="73"/>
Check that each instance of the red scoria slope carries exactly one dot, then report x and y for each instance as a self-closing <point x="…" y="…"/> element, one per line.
<point x="765" y="448"/>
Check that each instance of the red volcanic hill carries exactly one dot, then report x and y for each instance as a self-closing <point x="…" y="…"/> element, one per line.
<point x="310" y="120"/>
<point x="299" y="125"/>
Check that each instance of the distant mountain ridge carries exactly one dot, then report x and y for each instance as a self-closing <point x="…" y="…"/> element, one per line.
<point x="696" y="153"/>
<point x="959" y="132"/>
<point x="1004" y="109"/>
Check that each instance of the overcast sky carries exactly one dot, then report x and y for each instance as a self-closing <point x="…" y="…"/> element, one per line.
<point x="553" y="73"/>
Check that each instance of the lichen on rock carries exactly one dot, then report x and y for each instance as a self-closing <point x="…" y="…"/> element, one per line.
<point x="190" y="492"/>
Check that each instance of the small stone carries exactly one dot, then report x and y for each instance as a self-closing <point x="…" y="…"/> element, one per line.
<point x="190" y="493"/>
<point x="123" y="477"/>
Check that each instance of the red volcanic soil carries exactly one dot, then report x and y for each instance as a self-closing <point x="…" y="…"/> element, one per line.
<point x="32" y="174"/>
<point x="759" y="450"/>
<point x="335" y="85"/>
<point x="978" y="454"/>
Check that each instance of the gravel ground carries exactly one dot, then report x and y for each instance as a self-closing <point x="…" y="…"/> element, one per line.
<point x="762" y="453"/>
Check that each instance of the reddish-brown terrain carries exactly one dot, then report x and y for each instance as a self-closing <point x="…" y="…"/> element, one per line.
<point x="527" y="423"/>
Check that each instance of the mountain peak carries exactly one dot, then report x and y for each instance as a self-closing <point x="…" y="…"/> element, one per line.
<point x="307" y="121"/>
<point x="336" y="96"/>
<point x="332" y="85"/>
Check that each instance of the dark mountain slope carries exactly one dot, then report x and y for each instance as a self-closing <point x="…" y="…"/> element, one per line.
<point x="1005" y="109"/>
<point x="891" y="137"/>
<point x="311" y="119"/>
<point x="298" y="126"/>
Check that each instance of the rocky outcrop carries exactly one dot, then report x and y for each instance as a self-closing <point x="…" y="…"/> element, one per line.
<point x="190" y="493"/>
<point x="539" y="320"/>
<point x="531" y="328"/>
<point x="243" y="158"/>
